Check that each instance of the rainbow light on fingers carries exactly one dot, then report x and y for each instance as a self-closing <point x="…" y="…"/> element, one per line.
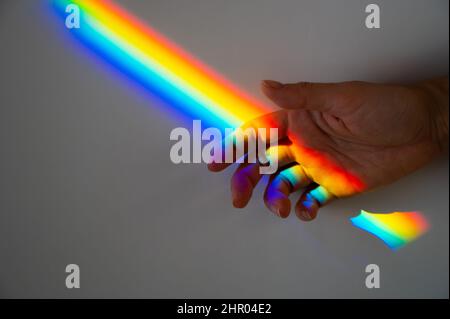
<point x="395" y="229"/>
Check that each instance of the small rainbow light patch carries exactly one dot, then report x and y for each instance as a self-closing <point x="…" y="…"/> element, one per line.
<point x="395" y="229"/>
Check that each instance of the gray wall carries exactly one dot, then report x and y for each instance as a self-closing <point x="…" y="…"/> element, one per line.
<point x="86" y="178"/>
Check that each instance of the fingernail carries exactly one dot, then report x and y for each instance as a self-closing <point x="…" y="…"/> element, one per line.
<point x="272" y="84"/>
<point x="238" y="204"/>
<point x="306" y="215"/>
<point x="274" y="209"/>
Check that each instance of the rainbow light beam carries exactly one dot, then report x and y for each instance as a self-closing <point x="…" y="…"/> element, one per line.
<point x="395" y="229"/>
<point x="159" y="65"/>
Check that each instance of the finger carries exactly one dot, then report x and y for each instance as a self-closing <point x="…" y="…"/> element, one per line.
<point x="304" y="95"/>
<point x="296" y="177"/>
<point x="282" y="154"/>
<point x="231" y="142"/>
<point x="276" y="119"/>
<point x="280" y="186"/>
<point x="311" y="200"/>
<point x="219" y="164"/>
<point x="243" y="181"/>
<point x="248" y="175"/>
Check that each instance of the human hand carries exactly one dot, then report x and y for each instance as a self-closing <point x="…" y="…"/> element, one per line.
<point x="338" y="140"/>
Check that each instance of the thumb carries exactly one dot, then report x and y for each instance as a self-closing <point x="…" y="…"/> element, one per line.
<point x="303" y="95"/>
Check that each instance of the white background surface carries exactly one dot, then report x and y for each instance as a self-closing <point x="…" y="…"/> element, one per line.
<point x="86" y="176"/>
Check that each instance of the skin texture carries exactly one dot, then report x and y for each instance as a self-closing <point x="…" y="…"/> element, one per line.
<point x="374" y="133"/>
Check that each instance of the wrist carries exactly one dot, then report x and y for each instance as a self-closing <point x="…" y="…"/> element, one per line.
<point x="438" y="105"/>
